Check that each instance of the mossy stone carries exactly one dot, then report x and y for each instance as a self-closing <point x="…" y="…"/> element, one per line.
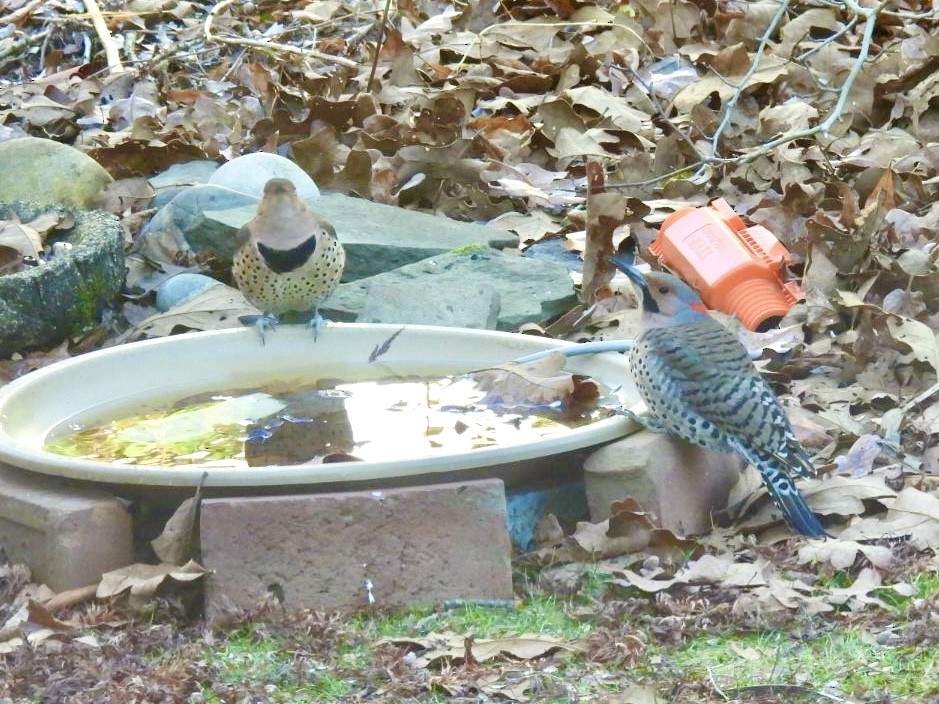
<point x="64" y="296"/>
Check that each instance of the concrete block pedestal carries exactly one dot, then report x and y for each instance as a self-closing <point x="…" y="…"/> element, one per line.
<point x="680" y="483"/>
<point x="68" y="535"/>
<point x="389" y="547"/>
<point x="340" y="550"/>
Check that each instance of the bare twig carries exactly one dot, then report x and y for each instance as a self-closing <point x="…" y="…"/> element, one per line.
<point x="267" y="46"/>
<point x="731" y="104"/>
<point x="104" y="35"/>
<point x="14" y="51"/>
<point x="868" y="14"/>
<point x="714" y="686"/>
<point x="23" y="12"/>
<point x="382" y="29"/>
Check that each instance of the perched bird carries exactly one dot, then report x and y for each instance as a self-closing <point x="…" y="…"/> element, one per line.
<point x="287" y="257"/>
<point x="699" y="384"/>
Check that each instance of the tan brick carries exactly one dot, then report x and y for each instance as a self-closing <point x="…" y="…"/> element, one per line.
<point x="67" y="534"/>
<point x="414" y="545"/>
<point x="679" y="482"/>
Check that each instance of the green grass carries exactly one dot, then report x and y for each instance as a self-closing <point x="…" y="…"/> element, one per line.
<point x="543" y="614"/>
<point x="250" y="656"/>
<point x="845" y="661"/>
<point x="848" y="660"/>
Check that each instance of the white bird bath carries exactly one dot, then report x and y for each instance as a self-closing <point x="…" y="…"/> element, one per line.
<point x="137" y="374"/>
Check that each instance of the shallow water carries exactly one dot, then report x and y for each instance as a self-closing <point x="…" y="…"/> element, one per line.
<point x="328" y="422"/>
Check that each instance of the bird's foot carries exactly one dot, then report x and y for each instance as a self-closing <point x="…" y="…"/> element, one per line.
<point x="646" y="421"/>
<point x="264" y="323"/>
<point x="317" y="323"/>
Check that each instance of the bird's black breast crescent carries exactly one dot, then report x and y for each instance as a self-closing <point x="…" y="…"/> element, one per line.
<point x="283" y="261"/>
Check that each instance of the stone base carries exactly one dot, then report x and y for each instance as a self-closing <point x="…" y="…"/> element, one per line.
<point x="409" y="546"/>
<point x="68" y="535"/>
<point x="682" y="484"/>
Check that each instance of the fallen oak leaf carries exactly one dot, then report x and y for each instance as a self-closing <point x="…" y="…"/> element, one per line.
<point x="217" y="307"/>
<point x="452" y="647"/>
<point x="912" y="513"/>
<point x="541" y="382"/>
<point x="537" y="383"/>
<point x="144" y="580"/>
<point x="841" y="554"/>
<point x="722" y="570"/>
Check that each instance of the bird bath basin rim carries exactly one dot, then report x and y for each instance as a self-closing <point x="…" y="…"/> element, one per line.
<point x="32" y="405"/>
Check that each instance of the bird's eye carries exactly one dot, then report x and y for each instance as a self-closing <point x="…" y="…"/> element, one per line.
<point x="663" y="289"/>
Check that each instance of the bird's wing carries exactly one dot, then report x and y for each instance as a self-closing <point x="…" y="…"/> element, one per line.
<point x="716" y="379"/>
<point x="243" y="235"/>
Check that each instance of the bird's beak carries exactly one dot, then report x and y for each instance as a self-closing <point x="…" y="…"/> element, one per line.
<point x="626" y="264"/>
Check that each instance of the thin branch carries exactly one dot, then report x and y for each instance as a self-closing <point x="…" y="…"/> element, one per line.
<point x="13" y="51"/>
<point x="829" y="39"/>
<point x="844" y="92"/>
<point x="266" y="46"/>
<point x="731" y="104"/>
<point x="381" y="40"/>
<point x="104" y="35"/>
<point x="23" y="12"/>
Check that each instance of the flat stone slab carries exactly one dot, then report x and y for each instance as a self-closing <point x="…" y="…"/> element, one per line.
<point x="680" y="483"/>
<point x="376" y="237"/>
<point x="529" y="290"/>
<point x="67" y="535"/>
<point x="408" y="302"/>
<point x="393" y="547"/>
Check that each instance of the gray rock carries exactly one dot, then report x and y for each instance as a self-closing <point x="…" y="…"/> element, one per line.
<point x="183" y="287"/>
<point x="247" y="174"/>
<point x="529" y="290"/>
<point x="431" y="302"/>
<point x="183" y="225"/>
<point x="553" y="249"/>
<point x="378" y="237"/>
<point x="205" y="218"/>
<point x="169" y="183"/>
<point x="45" y="172"/>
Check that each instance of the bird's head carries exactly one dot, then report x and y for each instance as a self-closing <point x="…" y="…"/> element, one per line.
<point x="663" y="294"/>
<point x="279" y="195"/>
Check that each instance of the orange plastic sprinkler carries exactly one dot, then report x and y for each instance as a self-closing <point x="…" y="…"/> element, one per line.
<point x="737" y="269"/>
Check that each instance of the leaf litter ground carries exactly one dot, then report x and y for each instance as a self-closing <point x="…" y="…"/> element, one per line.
<point x="490" y="112"/>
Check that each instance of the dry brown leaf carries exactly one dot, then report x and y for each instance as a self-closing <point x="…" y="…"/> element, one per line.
<point x="841" y="554"/>
<point x="912" y="513"/>
<point x="527" y="384"/>
<point x="437" y="648"/>
<point x="175" y="543"/>
<point x="143" y="581"/>
<point x="596" y="541"/>
<point x="215" y="308"/>
<point x="20" y="238"/>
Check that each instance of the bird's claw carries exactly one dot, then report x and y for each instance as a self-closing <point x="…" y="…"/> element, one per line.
<point x="645" y="420"/>
<point x="317" y="323"/>
<point x="266" y="322"/>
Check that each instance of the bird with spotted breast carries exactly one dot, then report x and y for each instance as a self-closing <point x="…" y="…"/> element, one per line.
<point x="287" y="258"/>
<point x="699" y="384"/>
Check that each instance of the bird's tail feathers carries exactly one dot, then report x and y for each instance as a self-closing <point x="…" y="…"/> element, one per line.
<point x="791" y="502"/>
<point x="798" y="462"/>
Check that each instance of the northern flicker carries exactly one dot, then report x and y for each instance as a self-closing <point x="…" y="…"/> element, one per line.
<point x="287" y="257"/>
<point x="699" y="384"/>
